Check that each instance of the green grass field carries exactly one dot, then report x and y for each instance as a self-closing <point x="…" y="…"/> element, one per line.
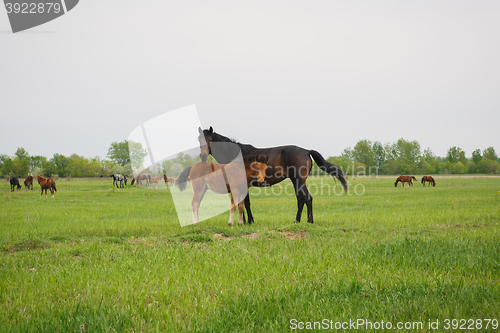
<point x="98" y="259"/>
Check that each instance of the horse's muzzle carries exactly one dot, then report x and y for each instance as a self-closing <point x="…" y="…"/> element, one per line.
<point x="204" y="157"/>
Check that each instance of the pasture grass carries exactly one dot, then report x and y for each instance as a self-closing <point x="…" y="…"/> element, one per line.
<point x="102" y="259"/>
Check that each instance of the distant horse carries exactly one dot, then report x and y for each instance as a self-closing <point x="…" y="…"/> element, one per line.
<point x="168" y="180"/>
<point x="14" y="183"/>
<point x="119" y="178"/>
<point x="404" y="179"/>
<point x="28" y="183"/>
<point x="138" y="179"/>
<point x="284" y="162"/>
<point x="428" y="179"/>
<point x="47" y="184"/>
<point x="204" y="177"/>
<point x="155" y="181"/>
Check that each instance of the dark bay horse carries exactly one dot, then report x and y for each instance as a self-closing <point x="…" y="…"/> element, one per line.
<point x="284" y="162"/>
<point x="28" y="183"/>
<point x="404" y="179"/>
<point x="204" y="177"/>
<point x="47" y="184"/>
<point x="428" y="179"/>
<point x="14" y="183"/>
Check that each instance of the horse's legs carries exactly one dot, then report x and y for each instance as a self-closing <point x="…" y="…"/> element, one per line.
<point x="249" y="211"/>
<point x="197" y="197"/>
<point x="232" y="209"/>
<point x="303" y="197"/>
<point x="241" y="213"/>
<point x="52" y="192"/>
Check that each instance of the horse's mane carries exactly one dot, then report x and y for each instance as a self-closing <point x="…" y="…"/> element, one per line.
<point x="228" y="151"/>
<point x="216" y="137"/>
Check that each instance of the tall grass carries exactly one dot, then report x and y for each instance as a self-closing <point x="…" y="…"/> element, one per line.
<point x="98" y="259"/>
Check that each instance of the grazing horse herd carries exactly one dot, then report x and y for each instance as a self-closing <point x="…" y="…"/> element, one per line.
<point x="263" y="167"/>
<point x="408" y="179"/>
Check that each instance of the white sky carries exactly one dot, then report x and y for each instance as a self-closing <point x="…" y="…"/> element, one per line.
<point x="318" y="74"/>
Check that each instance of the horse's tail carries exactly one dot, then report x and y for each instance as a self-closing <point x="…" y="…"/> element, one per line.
<point x="329" y="168"/>
<point x="423" y="179"/>
<point x="183" y="177"/>
<point x="54" y="185"/>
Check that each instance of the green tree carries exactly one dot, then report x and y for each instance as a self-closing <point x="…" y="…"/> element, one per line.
<point x="490" y="154"/>
<point x="379" y="151"/>
<point x="476" y="156"/>
<point x="363" y="153"/>
<point x="59" y="165"/>
<point x="455" y="154"/>
<point x="137" y="154"/>
<point x="119" y="152"/>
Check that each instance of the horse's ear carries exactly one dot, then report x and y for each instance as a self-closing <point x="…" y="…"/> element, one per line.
<point x="200" y="130"/>
<point x="210" y="130"/>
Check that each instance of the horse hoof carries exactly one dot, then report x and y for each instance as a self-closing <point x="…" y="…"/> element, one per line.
<point x="297" y="221"/>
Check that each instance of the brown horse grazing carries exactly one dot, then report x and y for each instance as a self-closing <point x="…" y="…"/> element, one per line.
<point x="168" y="180"/>
<point x="404" y="179"/>
<point x="155" y="181"/>
<point x="204" y="177"/>
<point x="138" y="179"/>
<point x="428" y="179"/>
<point x="47" y="184"/>
<point x="284" y="162"/>
<point x="28" y="183"/>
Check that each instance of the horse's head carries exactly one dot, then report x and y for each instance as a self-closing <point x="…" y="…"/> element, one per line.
<point x="205" y="139"/>
<point x="258" y="168"/>
<point x="39" y="178"/>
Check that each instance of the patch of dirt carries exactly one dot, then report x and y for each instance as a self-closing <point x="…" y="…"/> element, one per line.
<point x="292" y="235"/>
<point x="27" y="246"/>
<point x="251" y="236"/>
<point x="222" y="237"/>
<point x="138" y="241"/>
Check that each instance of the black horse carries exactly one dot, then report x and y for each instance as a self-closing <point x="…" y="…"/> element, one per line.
<point x="284" y="162"/>
<point x="14" y="182"/>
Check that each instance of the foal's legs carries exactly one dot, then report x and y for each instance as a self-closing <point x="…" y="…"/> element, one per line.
<point x="231" y="210"/>
<point x="241" y="213"/>
<point x="197" y="197"/>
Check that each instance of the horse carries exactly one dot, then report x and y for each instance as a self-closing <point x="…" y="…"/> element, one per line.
<point x="284" y="162"/>
<point x="404" y="179"/>
<point x="203" y="177"/>
<point x="47" y="184"/>
<point x="168" y="180"/>
<point x="156" y="180"/>
<point x="119" y="178"/>
<point x="28" y="183"/>
<point x="138" y="179"/>
<point x="14" y="183"/>
<point x="428" y="179"/>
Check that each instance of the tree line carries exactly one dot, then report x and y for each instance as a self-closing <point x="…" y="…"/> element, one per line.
<point x="367" y="157"/>
<point x="406" y="157"/>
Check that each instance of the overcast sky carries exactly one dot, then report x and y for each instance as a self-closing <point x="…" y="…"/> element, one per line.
<point x="318" y="74"/>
